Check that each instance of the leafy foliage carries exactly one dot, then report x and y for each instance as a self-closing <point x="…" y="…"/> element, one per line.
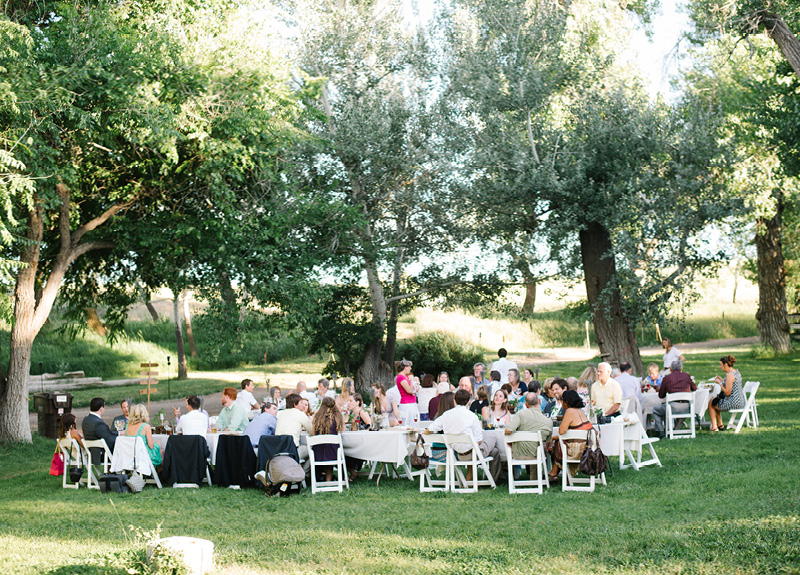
<point x="434" y="352"/>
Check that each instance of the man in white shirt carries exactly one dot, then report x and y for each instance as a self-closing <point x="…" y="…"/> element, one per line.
<point x="303" y="392"/>
<point x="293" y="421"/>
<point x="631" y="385"/>
<point x="323" y="390"/>
<point x="503" y="364"/>
<point x="459" y="420"/>
<point x="247" y="400"/>
<point x="194" y="421"/>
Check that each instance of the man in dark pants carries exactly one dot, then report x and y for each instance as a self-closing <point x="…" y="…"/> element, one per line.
<point x="675" y="382"/>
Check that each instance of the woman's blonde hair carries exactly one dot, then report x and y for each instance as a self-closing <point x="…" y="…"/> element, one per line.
<point x="326" y="416"/>
<point x="651" y="366"/>
<point x="589" y="375"/>
<point x="138" y="415"/>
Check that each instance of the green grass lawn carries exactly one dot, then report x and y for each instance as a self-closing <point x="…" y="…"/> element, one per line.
<point x="722" y="503"/>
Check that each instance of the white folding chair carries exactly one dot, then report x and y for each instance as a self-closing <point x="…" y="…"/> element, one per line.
<point x="340" y="469"/>
<point x="531" y="485"/>
<point x="748" y="413"/>
<point x="427" y="482"/>
<point x="126" y="450"/>
<point x="105" y="462"/>
<point x="624" y="405"/>
<point x="637" y="443"/>
<point x="671" y="416"/>
<point x="69" y="446"/>
<point x="568" y="481"/>
<point x="476" y="461"/>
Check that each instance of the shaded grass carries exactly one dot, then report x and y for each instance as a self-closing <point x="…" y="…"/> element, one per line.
<point x="722" y="503"/>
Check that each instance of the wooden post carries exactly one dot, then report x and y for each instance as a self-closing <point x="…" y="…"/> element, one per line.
<point x="658" y="335"/>
<point x="149" y="382"/>
<point x="587" y="335"/>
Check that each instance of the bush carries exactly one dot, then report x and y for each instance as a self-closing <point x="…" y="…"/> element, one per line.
<point x="435" y="352"/>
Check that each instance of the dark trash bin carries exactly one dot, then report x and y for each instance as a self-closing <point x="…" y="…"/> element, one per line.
<point x="50" y="406"/>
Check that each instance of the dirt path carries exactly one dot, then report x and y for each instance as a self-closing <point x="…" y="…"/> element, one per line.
<point x="213" y="402"/>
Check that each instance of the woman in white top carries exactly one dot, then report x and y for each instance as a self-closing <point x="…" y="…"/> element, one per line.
<point x="670" y="353"/>
<point x="427" y="391"/>
<point x="497" y="414"/>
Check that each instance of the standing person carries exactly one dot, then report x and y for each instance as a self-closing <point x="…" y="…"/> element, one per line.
<point x="408" y="393"/>
<point x="427" y="391"/>
<point x="478" y="377"/>
<point x="503" y="364"/>
<point x="125" y="406"/>
<point x="670" y="354"/>
<point x="233" y="417"/>
<point x="139" y="425"/>
<point x="730" y="397"/>
<point x="327" y="421"/>
<point x="676" y="382"/>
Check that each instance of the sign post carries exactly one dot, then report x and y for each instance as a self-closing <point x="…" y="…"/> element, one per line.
<point x="149" y="382"/>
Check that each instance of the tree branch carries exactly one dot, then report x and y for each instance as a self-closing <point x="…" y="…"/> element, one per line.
<point x="97" y="222"/>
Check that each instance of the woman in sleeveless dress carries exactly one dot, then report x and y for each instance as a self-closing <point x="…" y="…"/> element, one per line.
<point x="138" y="425"/>
<point x="497" y="415"/>
<point x="574" y="418"/>
<point x="730" y="397"/>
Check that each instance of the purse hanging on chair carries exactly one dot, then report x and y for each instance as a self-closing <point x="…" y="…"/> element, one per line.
<point x="75" y="471"/>
<point x="57" y="463"/>
<point x="135" y="482"/>
<point x="419" y="461"/>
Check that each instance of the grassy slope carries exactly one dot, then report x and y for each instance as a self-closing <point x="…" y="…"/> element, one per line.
<point x="721" y="504"/>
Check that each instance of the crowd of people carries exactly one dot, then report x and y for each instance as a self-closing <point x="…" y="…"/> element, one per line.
<point x="507" y="400"/>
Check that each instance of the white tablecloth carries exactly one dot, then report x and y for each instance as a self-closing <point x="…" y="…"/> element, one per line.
<point x="651" y="399"/>
<point x="386" y="445"/>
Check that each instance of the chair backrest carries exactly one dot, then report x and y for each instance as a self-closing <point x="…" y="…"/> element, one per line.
<point x="126" y="449"/>
<point x="451" y="439"/>
<point x="626" y="402"/>
<point x="751" y="386"/>
<point x="573" y="434"/>
<point x="327" y="439"/>
<point x="90" y="444"/>
<point x="533" y="436"/>
<point x="681" y="396"/>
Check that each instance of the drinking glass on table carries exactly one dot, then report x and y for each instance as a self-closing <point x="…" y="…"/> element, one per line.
<point x="416" y="420"/>
<point x="119" y="425"/>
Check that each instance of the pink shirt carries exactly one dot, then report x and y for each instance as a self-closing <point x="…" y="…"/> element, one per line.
<point x="405" y="397"/>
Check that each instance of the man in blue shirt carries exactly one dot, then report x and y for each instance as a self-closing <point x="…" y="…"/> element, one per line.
<point x="262" y="424"/>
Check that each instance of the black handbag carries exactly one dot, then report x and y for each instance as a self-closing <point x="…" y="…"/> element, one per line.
<point x="76" y="471"/>
<point x="419" y="461"/>
<point x="113" y="483"/>
<point x="593" y="461"/>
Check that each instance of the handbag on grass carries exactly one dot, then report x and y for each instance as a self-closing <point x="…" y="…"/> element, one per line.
<point x="593" y="461"/>
<point x="75" y="471"/>
<point x="419" y="461"/>
<point x="57" y="464"/>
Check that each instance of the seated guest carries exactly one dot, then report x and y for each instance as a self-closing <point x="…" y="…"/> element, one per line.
<point x="676" y="382"/>
<point x="477" y="378"/>
<point x="293" y="421"/>
<point x="359" y="418"/>
<point x="459" y="420"/>
<point x="427" y="391"/>
<point x="275" y="395"/>
<point x="327" y="421"/>
<point x="348" y="389"/>
<point x="246" y="399"/>
<point x="125" y="406"/>
<point x="262" y="424"/>
<point x="557" y="389"/>
<point x="466" y="384"/>
<point x="433" y="406"/>
<point x="497" y="415"/>
<point x="194" y="421"/>
<point x="653" y="379"/>
<point x="444" y="377"/>
<point x="630" y="384"/>
<point x="547" y="395"/>
<point x="394" y="398"/>
<point x="606" y="392"/>
<point x="494" y="382"/>
<point x="233" y="417"/>
<point x="572" y="383"/>
<point x="730" y="397"/>
<point x="518" y="388"/>
<point x="529" y="419"/>
<point x="574" y="418"/>
<point x="138" y="425"/>
<point x="303" y="392"/>
<point x="323" y="390"/>
<point x="482" y="402"/>
<point x="95" y="428"/>
<point x="67" y="429"/>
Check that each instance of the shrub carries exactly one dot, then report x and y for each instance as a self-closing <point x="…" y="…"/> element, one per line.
<point x="436" y="352"/>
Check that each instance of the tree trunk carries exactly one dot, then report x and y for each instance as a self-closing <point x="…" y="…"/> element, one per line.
<point x="773" y="324"/>
<point x="616" y="338"/>
<point x="373" y="369"/>
<point x="530" y="296"/>
<point x="153" y="313"/>
<point x="94" y="322"/>
<point x="187" y="314"/>
<point x="394" y="308"/>
<point x="182" y="372"/>
<point x="787" y="42"/>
